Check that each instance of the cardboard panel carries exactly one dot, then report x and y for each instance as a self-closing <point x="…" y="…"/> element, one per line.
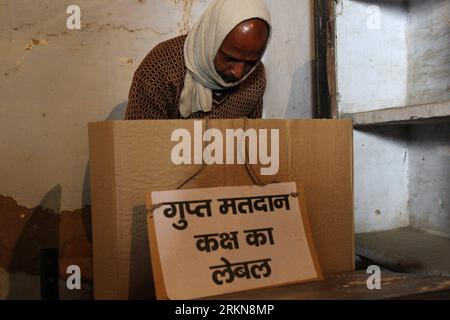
<point x="130" y="158"/>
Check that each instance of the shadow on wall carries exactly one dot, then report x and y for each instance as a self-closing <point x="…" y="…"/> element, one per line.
<point x="398" y="133"/>
<point x="300" y="105"/>
<point x="41" y="231"/>
<point x="141" y="283"/>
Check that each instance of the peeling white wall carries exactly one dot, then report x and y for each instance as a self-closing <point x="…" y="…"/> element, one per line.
<point x="371" y="55"/>
<point x="402" y="173"/>
<point x="54" y="81"/>
<point x="381" y="179"/>
<point x="392" y="53"/>
<point x="402" y="178"/>
<point x="429" y="172"/>
<point x="428" y="51"/>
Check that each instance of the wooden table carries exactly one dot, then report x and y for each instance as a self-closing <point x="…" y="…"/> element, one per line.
<point x="353" y="286"/>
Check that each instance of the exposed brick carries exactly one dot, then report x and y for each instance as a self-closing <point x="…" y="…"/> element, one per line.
<point x="24" y="232"/>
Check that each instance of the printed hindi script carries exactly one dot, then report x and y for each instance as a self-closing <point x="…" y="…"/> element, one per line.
<point x="216" y="241"/>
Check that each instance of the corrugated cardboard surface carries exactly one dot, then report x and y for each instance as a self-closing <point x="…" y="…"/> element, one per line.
<point x="130" y="158"/>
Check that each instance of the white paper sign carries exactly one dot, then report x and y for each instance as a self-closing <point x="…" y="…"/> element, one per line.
<point x="216" y="241"/>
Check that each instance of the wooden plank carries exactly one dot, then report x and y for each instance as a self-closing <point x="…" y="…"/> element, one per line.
<point x="352" y="285"/>
<point x="322" y="96"/>
<point x="331" y="59"/>
<point x="410" y="114"/>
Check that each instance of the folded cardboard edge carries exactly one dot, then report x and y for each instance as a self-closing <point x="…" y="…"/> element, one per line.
<point x="105" y="267"/>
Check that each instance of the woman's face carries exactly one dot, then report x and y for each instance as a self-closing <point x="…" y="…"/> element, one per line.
<point x="241" y="50"/>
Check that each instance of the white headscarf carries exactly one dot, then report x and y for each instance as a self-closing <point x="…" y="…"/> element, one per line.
<point x="202" y="44"/>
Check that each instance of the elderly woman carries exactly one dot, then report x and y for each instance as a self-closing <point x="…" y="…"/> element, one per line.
<point x="213" y="72"/>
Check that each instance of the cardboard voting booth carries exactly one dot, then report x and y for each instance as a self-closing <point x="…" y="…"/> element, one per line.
<point x="131" y="159"/>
